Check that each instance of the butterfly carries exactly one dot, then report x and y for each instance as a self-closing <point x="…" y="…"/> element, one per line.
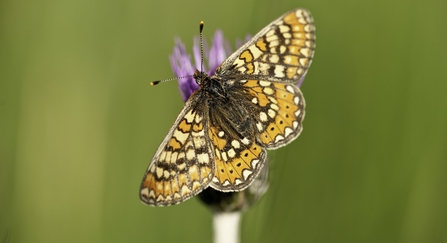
<point x="249" y="105"/>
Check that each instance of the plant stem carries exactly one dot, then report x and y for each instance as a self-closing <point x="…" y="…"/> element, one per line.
<point x="226" y="227"/>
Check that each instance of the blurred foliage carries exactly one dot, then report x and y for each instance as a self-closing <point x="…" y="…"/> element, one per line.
<point x="79" y="122"/>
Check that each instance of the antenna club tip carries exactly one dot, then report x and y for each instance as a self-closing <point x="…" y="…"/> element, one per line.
<point x="201" y="26"/>
<point x="153" y="83"/>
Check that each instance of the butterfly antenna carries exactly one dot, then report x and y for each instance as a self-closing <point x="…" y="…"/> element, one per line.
<point x="153" y="83"/>
<point x="201" y="46"/>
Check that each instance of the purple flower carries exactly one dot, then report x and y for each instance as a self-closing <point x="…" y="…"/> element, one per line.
<point x="184" y="67"/>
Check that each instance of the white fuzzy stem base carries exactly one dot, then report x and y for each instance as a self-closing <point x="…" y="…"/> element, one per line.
<point x="226" y="227"/>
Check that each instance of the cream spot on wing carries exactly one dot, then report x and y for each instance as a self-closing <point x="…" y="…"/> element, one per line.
<point x="284" y="28"/>
<point x="174" y="156"/>
<point x="255" y="51"/>
<point x="192" y="169"/>
<point x="224" y="156"/>
<point x="303" y="61"/>
<point x="181" y="166"/>
<point x="268" y="91"/>
<point x="152" y="168"/>
<point x="290" y="89"/>
<point x="190" y="154"/>
<point x="235" y="144"/>
<point x="282" y="49"/>
<point x="259" y="126"/>
<point x="196" y="185"/>
<point x="198" y="119"/>
<point x="279" y="71"/>
<point x="254" y="163"/>
<point x="159" y="172"/>
<point x="307" y="28"/>
<point x="288" y="131"/>
<point x="241" y="69"/>
<point x="168" y="156"/>
<point x="189" y="116"/>
<point x="203" y="158"/>
<point x="264" y="83"/>
<point x="180" y="136"/>
<point x="274" y="58"/>
<point x="166" y="174"/>
<point x="246" y="174"/>
<point x="152" y="194"/>
<point x="231" y="153"/>
<point x="263" y="116"/>
<point x="185" y="191"/>
<point x="199" y="142"/>
<point x="221" y="134"/>
<point x="159" y="186"/>
<point x="279" y="138"/>
<point x="295" y="124"/>
<point x="217" y="152"/>
<point x="274" y="43"/>
<point x="144" y="192"/>
<point x="162" y="156"/>
<point x="273" y="100"/>
<point x="271" y="113"/>
<point x="270" y="33"/>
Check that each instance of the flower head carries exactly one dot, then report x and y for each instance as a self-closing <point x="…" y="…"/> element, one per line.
<point x="183" y="66"/>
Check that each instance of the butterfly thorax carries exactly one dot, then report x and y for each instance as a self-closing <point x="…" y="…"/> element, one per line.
<point x="211" y="87"/>
<point x="226" y="104"/>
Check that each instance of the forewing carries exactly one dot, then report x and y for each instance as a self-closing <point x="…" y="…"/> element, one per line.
<point x="282" y="51"/>
<point x="184" y="164"/>
<point x="238" y="160"/>
<point x="280" y="109"/>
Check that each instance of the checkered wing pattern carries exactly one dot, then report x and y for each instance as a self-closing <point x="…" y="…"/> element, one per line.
<point x="238" y="160"/>
<point x="280" y="111"/>
<point x="282" y="51"/>
<point x="251" y="104"/>
<point x="184" y="164"/>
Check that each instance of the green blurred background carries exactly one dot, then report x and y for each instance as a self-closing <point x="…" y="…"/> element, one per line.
<point x="79" y="122"/>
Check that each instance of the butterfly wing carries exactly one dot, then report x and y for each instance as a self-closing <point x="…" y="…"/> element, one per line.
<point x="184" y="164"/>
<point x="279" y="111"/>
<point x="238" y="159"/>
<point x="282" y="51"/>
<point x="262" y="73"/>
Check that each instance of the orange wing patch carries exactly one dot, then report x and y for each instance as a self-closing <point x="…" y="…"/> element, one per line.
<point x="281" y="122"/>
<point x="281" y="111"/>
<point x="237" y="163"/>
